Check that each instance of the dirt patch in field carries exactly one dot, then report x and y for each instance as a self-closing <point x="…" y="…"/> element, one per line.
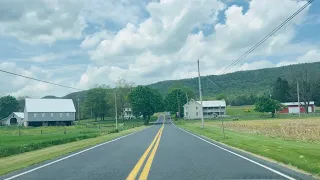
<point x="297" y="129"/>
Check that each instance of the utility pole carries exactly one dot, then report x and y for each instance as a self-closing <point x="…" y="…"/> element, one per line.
<point x="200" y="93"/>
<point x="79" y="110"/>
<point x="178" y="101"/>
<point x="91" y="111"/>
<point x="298" y="94"/>
<point x="188" y="106"/>
<point x="116" y="108"/>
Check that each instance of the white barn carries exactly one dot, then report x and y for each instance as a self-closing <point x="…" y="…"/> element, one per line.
<point x="15" y="118"/>
<point x="210" y="109"/>
<point x="38" y="112"/>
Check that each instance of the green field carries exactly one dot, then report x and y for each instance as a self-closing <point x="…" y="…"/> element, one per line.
<point x="248" y="113"/>
<point x="15" y="162"/>
<point x="16" y="140"/>
<point x="293" y="142"/>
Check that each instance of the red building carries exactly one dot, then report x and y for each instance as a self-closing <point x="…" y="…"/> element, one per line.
<point x="293" y="108"/>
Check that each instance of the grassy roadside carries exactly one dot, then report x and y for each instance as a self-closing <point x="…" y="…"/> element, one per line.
<point x="11" y="163"/>
<point x="302" y="155"/>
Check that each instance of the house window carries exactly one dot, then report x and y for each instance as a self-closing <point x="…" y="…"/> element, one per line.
<point x="197" y="113"/>
<point x="60" y="114"/>
<point x="68" y="114"/>
<point x="43" y="114"/>
<point x="196" y="108"/>
<point x="35" y="115"/>
<point x="186" y="113"/>
<point x="51" y="114"/>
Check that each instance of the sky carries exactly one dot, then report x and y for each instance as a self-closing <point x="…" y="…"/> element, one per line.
<point x="82" y="43"/>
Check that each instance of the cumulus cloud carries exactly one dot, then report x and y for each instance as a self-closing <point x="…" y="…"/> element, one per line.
<point x="41" y="21"/>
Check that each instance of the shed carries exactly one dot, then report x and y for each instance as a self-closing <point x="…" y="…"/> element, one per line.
<point x="15" y="118"/>
<point x="293" y="107"/>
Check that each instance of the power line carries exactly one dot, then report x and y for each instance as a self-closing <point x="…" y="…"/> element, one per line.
<point x="47" y="82"/>
<point x="265" y="38"/>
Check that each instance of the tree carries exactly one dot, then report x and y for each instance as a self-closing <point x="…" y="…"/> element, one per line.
<point x="266" y="104"/>
<point x="96" y="102"/>
<point x="176" y="98"/>
<point x="309" y="87"/>
<point x="8" y="104"/>
<point x="122" y="91"/>
<point x="145" y="102"/>
<point x="281" y="90"/>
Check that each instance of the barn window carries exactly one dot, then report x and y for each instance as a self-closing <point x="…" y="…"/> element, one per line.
<point x="51" y="114"/>
<point x="68" y="114"/>
<point x="43" y="114"/>
<point x="197" y="114"/>
<point x="60" y="114"/>
<point x="35" y="115"/>
<point x="196" y="108"/>
<point x="186" y="113"/>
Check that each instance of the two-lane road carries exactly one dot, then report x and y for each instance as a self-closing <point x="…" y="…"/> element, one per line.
<point x="162" y="151"/>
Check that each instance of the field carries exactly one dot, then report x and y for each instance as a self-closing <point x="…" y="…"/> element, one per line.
<point x="15" y="162"/>
<point x="248" y="113"/>
<point x="294" y="142"/>
<point x="16" y="140"/>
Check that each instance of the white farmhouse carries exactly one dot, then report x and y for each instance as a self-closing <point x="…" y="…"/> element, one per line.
<point x="210" y="109"/>
<point x="38" y="112"/>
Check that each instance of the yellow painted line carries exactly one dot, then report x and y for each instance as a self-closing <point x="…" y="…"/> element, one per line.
<point x="145" y="172"/>
<point x="133" y="174"/>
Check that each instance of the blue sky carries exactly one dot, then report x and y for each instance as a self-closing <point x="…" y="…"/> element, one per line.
<point x="83" y="43"/>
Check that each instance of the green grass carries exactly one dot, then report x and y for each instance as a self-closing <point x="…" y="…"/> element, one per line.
<point x="16" y="140"/>
<point x="302" y="155"/>
<point x="248" y="113"/>
<point x="15" y="162"/>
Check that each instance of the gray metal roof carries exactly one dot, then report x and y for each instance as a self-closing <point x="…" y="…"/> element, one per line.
<point x="215" y="103"/>
<point x="50" y="105"/>
<point x="19" y="114"/>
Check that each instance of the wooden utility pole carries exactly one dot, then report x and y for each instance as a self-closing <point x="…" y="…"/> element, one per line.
<point x="200" y="94"/>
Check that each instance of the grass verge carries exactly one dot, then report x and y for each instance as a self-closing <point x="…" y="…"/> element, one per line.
<point x="302" y="155"/>
<point x="12" y="163"/>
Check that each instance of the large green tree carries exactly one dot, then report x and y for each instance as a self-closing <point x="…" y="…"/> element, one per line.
<point x="176" y="98"/>
<point x="96" y="103"/>
<point x="8" y="104"/>
<point x="266" y="104"/>
<point x="145" y="102"/>
<point x="281" y="90"/>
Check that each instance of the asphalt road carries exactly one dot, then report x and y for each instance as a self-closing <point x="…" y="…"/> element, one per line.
<point x="160" y="152"/>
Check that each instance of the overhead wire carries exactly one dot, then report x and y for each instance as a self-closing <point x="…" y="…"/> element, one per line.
<point x="39" y="80"/>
<point x="265" y="38"/>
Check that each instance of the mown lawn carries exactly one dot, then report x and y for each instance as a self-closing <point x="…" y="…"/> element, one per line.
<point x="16" y="140"/>
<point x="302" y="154"/>
<point x="15" y="162"/>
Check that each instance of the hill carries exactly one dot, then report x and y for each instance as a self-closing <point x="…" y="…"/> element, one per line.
<point x="232" y="85"/>
<point x="253" y="82"/>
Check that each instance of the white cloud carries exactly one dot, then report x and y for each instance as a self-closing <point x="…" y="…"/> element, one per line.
<point x="92" y="40"/>
<point x="43" y="58"/>
<point x="41" y="21"/>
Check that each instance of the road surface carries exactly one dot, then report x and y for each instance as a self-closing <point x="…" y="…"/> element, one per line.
<point x="162" y="151"/>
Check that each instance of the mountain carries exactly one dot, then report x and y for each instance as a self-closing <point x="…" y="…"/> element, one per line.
<point x="241" y="83"/>
<point x="253" y="82"/>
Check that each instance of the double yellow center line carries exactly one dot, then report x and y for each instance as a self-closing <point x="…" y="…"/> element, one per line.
<point x="145" y="172"/>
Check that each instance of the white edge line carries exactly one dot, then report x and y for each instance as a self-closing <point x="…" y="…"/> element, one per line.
<point x="61" y="159"/>
<point x="250" y="160"/>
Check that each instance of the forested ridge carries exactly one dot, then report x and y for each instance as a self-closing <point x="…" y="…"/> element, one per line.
<point x="253" y="82"/>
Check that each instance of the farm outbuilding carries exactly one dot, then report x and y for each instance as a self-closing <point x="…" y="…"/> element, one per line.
<point x="39" y="112"/>
<point x="15" y="118"/>
<point x="293" y="108"/>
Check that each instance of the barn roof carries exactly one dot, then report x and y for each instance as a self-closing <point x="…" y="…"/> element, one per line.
<point x="296" y="103"/>
<point x="215" y="103"/>
<point x="50" y="105"/>
<point x="19" y="114"/>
